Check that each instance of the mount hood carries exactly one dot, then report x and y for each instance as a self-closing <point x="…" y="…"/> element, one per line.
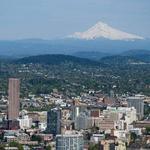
<point x="103" y="30"/>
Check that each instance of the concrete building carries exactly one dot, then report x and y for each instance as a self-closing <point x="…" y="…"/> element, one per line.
<point x="122" y="116"/>
<point x="83" y="121"/>
<point x="42" y="126"/>
<point x="25" y="122"/>
<point x="96" y="138"/>
<point x="69" y="142"/>
<point x="138" y="103"/>
<point x="107" y="125"/>
<point x="112" y="145"/>
<point x="129" y="114"/>
<point x="77" y="109"/>
<point x="3" y="106"/>
<point x="137" y="131"/>
<point x="95" y="112"/>
<point x="107" y="145"/>
<point x="13" y="99"/>
<point x="121" y="134"/>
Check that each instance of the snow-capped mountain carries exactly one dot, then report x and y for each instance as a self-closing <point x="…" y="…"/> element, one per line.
<point x="102" y="30"/>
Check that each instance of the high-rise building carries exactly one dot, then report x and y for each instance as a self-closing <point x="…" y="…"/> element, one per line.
<point x="54" y="121"/>
<point x="76" y="110"/>
<point x="69" y="142"/>
<point x="13" y="99"/>
<point x="138" y="103"/>
<point x="83" y="121"/>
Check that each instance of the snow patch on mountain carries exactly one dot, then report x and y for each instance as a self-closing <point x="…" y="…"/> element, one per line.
<point x="103" y="30"/>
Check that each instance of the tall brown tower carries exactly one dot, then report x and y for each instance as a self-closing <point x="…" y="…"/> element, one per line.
<point x="13" y="98"/>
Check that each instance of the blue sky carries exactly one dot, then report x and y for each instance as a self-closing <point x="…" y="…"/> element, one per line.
<point x="58" y="18"/>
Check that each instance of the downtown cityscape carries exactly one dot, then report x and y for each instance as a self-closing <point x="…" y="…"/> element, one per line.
<point x="90" y="121"/>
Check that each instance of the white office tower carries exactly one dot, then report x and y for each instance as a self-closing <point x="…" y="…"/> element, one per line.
<point x="69" y="141"/>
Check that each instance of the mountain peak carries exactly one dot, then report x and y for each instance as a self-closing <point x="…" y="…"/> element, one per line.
<point x="103" y="30"/>
<point x="101" y="24"/>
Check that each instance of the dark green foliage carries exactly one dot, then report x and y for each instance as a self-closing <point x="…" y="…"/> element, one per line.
<point x="15" y="144"/>
<point x="2" y="147"/>
<point x="48" y="147"/>
<point x="54" y="59"/>
<point x="93" y="55"/>
<point x="133" y="136"/>
<point x="36" y="138"/>
<point x="93" y="147"/>
<point x="148" y="130"/>
<point x="119" y="60"/>
<point x="2" y="136"/>
<point x="72" y="75"/>
<point x="94" y="129"/>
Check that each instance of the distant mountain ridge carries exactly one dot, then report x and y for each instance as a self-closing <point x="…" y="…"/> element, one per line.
<point x="22" y="48"/>
<point x="119" y="60"/>
<point x="143" y="55"/>
<point x="93" y="55"/>
<point x="136" y="52"/>
<point x="55" y="59"/>
<point x="128" y="57"/>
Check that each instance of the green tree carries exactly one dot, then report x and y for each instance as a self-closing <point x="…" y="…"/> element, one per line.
<point x="147" y="130"/>
<point x="48" y="147"/>
<point x="93" y="147"/>
<point x="133" y="136"/>
<point x="36" y="138"/>
<point x="2" y="147"/>
<point x="15" y="144"/>
<point x="2" y="136"/>
<point x="94" y="129"/>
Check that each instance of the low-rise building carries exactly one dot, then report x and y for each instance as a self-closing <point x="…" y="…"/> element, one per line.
<point x="25" y="122"/>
